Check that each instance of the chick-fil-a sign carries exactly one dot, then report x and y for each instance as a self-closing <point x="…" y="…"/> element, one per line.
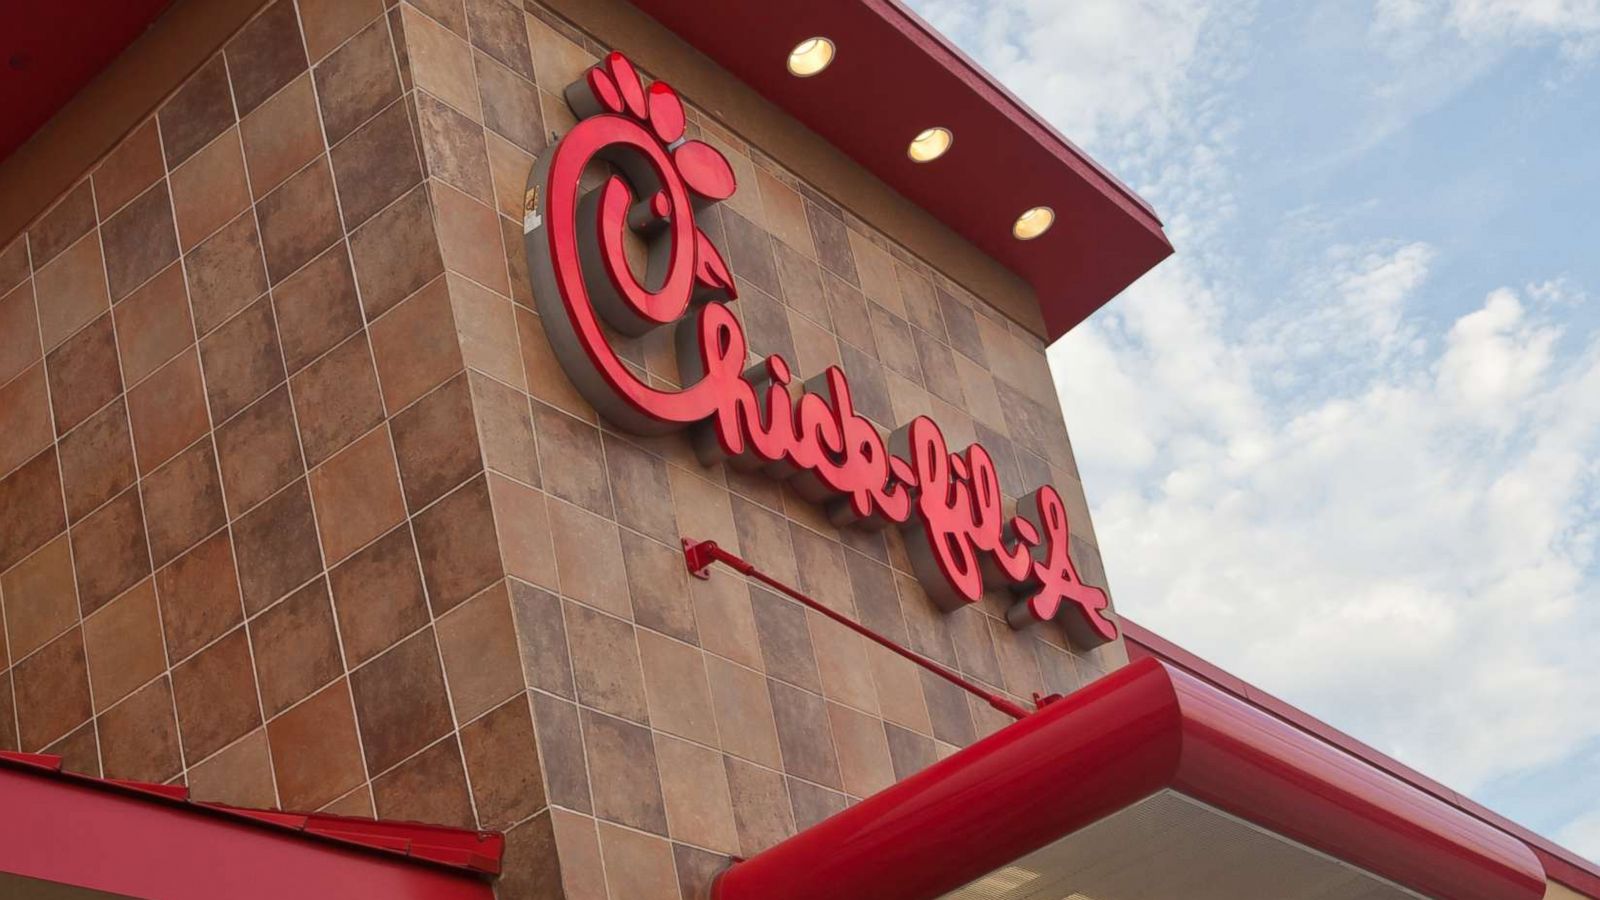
<point x="757" y="416"/>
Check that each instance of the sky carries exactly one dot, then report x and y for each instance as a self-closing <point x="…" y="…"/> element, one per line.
<point x="1346" y="442"/>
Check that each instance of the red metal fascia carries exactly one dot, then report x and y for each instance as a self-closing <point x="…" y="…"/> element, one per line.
<point x="149" y="840"/>
<point x="1559" y="863"/>
<point x="1112" y="743"/>
<point x="698" y="555"/>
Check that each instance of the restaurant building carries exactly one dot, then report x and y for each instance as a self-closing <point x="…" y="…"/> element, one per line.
<point x="598" y="450"/>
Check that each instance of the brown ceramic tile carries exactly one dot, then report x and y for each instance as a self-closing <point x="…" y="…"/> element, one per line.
<point x="241" y="360"/>
<point x="503" y="763"/>
<point x="864" y="762"/>
<point x="622" y="773"/>
<point x="429" y="787"/>
<point x="911" y="752"/>
<point x="436" y="443"/>
<point x="802" y="283"/>
<point x="675" y="683"/>
<point x="138" y="241"/>
<point x="132" y="167"/>
<point x="63" y="225"/>
<point x="561" y="752"/>
<point x="265" y="55"/>
<point x="357" y="803"/>
<point x="41" y="600"/>
<point x="639" y="506"/>
<point x="877" y="602"/>
<point x="315" y="751"/>
<point x="542" y="636"/>
<point x="605" y="661"/>
<point x="401" y="703"/>
<point x="812" y="804"/>
<point x="441" y="63"/>
<point x="71" y="290"/>
<point x="183" y="502"/>
<point x="571" y="459"/>
<point x="241" y="775"/>
<point x="415" y="345"/>
<point x="457" y="546"/>
<point x="215" y="691"/>
<point x="225" y="273"/>
<point x="694" y="784"/>
<point x="659" y="587"/>
<point x="25" y="410"/>
<point x="258" y="451"/>
<point x="281" y="136"/>
<point x="275" y="545"/>
<point x="317" y="307"/>
<point x="200" y="111"/>
<point x="79" y="751"/>
<point x="336" y="399"/>
<point x="500" y="31"/>
<point x="749" y="252"/>
<point x="722" y="615"/>
<point x="547" y="381"/>
<point x="509" y="166"/>
<point x="210" y="189"/>
<point x="974" y="650"/>
<point x="543" y="857"/>
<point x="168" y="411"/>
<point x="153" y="324"/>
<point x="744" y="712"/>
<point x="698" y="869"/>
<point x="785" y="639"/>
<point x="376" y="164"/>
<point x="378" y="597"/>
<point x="357" y="495"/>
<point x="454" y="148"/>
<point x="109" y="552"/>
<point x="505" y="429"/>
<point x="948" y="710"/>
<point x="804" y="735"/>
<point x="19" y="331"/>
<point x="761" y="807"/>
<point x="871" y="391"/>
<point x="30" y="508"/>
<point x="486" y="325"/>
<point x="587" y="548"/>
<point x="469" y="240"/>
<point x="479" y="646"/>
<point x="766" y="324"/>
<point x="124" y="645"/>
<point x="52" y="691"/>
<point x="299" y="220"/>
<point x="637" y="865"/>
<point x="522" y="521"/>
<point x="764" y="539"/>
<point x="83" y="374"/>
<point x="357" y="80"/>
<point x="785" y="213"/>
<point x="510" y="105"/>
<point x="328" y="23"/>
<point x="396" y="253"/>
<point x="8" y="714"/>
<point x="296" y="647"/>
<point x="139" y="736"/>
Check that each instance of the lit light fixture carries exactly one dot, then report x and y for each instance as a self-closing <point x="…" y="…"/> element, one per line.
<point x="930" y="144"/>
<point x="810" y="56"/>
<point x="1033" y="223"/>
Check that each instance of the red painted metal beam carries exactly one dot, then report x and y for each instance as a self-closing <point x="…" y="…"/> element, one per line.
<point x="698" y="555"/>
<point x="1143" y="728"/>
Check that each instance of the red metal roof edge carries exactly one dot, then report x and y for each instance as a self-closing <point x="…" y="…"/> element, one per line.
<point x="1560" y="864"/>
<point x="1046" y="134"/>
<point x="474" y="852"/>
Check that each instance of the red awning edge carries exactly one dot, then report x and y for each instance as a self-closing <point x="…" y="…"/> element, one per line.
<point x="147" y="839"/>
<point x="1144" y="728"/>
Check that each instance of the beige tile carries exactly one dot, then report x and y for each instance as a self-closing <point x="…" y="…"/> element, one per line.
<point x="694" y="784"/>
<point x="744" y="712"/>
<point x="676" y="687"/>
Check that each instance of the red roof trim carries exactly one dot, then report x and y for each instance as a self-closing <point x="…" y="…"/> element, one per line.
<point x="1145" y="727"/>
<point x="477" y="852"/>
<point x="1560" y="864"/>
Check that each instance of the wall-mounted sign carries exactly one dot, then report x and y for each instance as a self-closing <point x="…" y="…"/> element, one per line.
<point x="949" y="503"/>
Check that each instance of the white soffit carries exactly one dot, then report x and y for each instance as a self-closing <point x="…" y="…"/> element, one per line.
<point x="1172" y="847"/>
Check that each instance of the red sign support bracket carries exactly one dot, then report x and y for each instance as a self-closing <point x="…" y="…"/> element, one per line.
<point x="700" y="555"/>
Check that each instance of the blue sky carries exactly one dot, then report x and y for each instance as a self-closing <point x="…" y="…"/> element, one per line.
<point x="1347" y="442"/>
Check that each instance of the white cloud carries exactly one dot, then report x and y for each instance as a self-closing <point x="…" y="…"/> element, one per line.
<point x="1583" y="835"/>
<point x="1572" y="24"/>
<point x="1405" y="555"/>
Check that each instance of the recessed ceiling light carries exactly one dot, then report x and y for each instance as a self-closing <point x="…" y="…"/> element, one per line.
<point x="1033" y="223"/>
<point x="810" y="56"/>
<point x="930" y="144"/>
